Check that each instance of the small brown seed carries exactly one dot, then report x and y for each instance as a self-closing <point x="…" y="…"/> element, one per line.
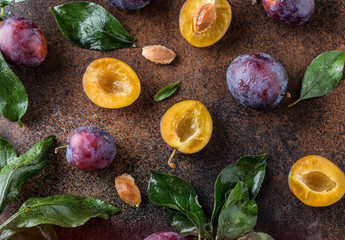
<point x="128" y="190"/>
<point x="158" y="54"/>
<point x="204" y="18"/>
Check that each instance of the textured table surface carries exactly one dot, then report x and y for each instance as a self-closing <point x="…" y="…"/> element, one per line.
<point x="58" y="105"/>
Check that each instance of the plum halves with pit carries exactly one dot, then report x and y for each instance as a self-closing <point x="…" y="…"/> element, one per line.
<point x="90" y="148"/>
<point x="257" y="80"/>
<point x="22" y="42"/>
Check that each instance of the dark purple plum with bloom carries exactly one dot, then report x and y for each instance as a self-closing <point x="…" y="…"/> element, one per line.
<point x="292" y="12"/>
<point x="165" y="236"/>
<point x="90" y="148"/>
<point x="257" y="80"/>
<point x="22" y="42"/>
<point x="129" y="4"/>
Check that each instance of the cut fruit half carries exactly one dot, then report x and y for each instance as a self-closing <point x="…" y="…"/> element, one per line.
<point x="316" y="181"/>
<point x="187" y="126"/>
<point x="111" y="83"/>
<point x="204" y="22"/>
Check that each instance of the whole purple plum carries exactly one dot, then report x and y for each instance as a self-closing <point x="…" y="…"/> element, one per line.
<point x="257" y="80"/>
<point x="22" y="42"/>
<point x="292" y="12"/>
<point x="129" y="4"/>
<point x="90" y="148"/>
<point x="165" y="236"/>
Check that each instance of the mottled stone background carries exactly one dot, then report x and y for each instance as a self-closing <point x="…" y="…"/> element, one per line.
<point x="58" y="105"/>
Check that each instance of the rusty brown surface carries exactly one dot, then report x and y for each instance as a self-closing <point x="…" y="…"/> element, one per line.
<point x="58" y="105"/>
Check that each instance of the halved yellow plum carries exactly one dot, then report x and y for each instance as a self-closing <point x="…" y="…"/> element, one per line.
<point x="204" y="22"/>
<point x="316" y="181"/>
<point x="186" y="127"/>
<point x="111" y="83"/>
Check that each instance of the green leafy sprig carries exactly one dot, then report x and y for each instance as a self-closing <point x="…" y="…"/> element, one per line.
<point x="235" y="211"/>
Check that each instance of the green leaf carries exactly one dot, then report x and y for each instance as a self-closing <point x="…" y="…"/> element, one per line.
<point x="226" y="181"/>
<point x="232" y="221"/>
<point x="62" y="210"/>
<point x="239" y="192"/>
<point x="166" y="91"/>
<point x="256" y="236"/>
<point x="40" y="232"/>
<point x="254" y="169"/>
<point x="7" y="153"/>
<point x="181" y="222"/>
<point x="172" y="192"/>
<point x="323" y="75"/>
<point x="90" y="26"/>
<point x="249" y="169"/>
<point x="13" y="96"/>
<point x="16" y="170"/>
<point x="238" y="218"/>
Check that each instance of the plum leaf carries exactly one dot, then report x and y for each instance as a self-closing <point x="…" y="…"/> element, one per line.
<point x="236" y="219"/>
<point x="14" y="171"/>
<point x="239" y="192"/>
<point x="249" y="169"/>
<point x="172" y="192"/>
<point x="166" y="91"/>
<point x="322" y="75"/>
<point x="62" y="210"/>
<point x="182" y="224"/>
<point x="88" y="25"/>
<point x="13" y="96"/>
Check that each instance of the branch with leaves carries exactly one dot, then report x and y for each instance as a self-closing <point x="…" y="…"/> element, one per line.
<point x="235" y="211"/>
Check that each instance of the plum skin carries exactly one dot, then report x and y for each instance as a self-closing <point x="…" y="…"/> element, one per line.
<point x="90" y="148"/>
<point x="22" y="42"/>
<point x="129" y="4"/>
<point x="165" y="236"/>
<point x="291" y="12"/>
<point x="257" y="80"/>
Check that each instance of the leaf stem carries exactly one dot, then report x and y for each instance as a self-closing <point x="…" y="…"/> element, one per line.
<point x="57" y="149"/>
<point x="294" y="103"/>
<point x="20" y="123"/>
<point x="171" y="164"/>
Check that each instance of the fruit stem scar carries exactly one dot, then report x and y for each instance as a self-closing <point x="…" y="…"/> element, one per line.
<point x="256" y="2"/>
<point x="287" y="94"/>
<point x="171" y="164"/>
<point x="57" y="149"/>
